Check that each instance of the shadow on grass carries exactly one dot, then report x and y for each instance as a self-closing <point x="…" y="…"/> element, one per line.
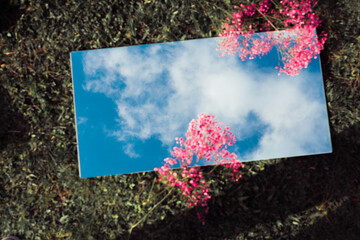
<point x="343" y="223"/>
<point x="13" y="126"/>
<point x="9" y="15"/>
<point x="288" y="187"/>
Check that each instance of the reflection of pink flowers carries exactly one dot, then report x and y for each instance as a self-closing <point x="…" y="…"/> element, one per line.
<point x="300" y="54"/>
<point x="205" y="138"/>
<point x="297" y="51"/>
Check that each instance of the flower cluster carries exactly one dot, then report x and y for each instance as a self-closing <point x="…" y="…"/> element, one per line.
<point x="247" y="46"/>
<point x="205" y="139"/>
<point x="297" y="45"/>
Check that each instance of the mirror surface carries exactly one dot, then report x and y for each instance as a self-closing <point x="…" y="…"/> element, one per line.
<point x="131" y="103"/>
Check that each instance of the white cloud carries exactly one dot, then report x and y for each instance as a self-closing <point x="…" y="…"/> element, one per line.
<point x="81" y="120"/>
<point x="129" y="150"/>
<point x="160" y="95"/>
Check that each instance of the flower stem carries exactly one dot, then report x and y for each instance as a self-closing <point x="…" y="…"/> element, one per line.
<point x="213" y="168"/>
<point x="276" y="4"/>
<point x="143" y="218"/>
<point x="152" y="186"/>
<point x="267" y="19"/>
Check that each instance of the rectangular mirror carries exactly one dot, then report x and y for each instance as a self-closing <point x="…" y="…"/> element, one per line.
<point x="132" y="102"/>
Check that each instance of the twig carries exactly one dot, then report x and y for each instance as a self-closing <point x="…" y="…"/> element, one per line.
<point x="152" y="186"/>
<point x="267" y="19"/>
<point x="276" y="4"/>
<point x="213" y="168"/>
<point x="143" y="218"/>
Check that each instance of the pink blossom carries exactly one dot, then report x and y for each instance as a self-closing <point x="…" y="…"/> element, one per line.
<point x="205" y="138"/>
<point x="237" y="39"/>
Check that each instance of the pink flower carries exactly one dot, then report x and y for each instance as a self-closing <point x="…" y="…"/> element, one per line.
<point x="205" y="138"/>
<point x="296" y="52"/>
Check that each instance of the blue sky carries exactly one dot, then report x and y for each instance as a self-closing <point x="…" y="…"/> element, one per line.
<point x="131" y="103"/>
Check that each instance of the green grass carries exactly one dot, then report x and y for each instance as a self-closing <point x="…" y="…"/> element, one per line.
<point x="41" y="195"/>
